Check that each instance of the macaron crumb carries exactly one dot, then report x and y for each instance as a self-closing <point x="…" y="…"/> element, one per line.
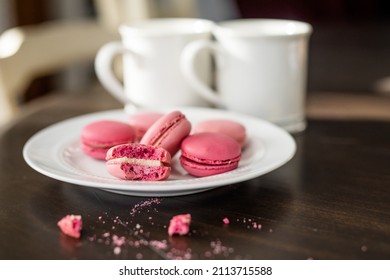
<point x="139" y="256"/>
<point x="71" y="225"/>
<point x="117" y="250"/>
<point x="138" y="162"/>
<point x="179" y="224"/>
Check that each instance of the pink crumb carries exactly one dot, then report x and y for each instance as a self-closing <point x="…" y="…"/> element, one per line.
<point x="117" y="250"/>
<point x="159" y="244"/>
<point x="118" y="241"/>
<point x="226" y="221"/>
<point x="71" y="225"/>
<point x="179" y="224"/>
<point x="139" y="256"/>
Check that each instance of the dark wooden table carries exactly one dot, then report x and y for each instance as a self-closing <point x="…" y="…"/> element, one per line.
<point x="331" y="201"/>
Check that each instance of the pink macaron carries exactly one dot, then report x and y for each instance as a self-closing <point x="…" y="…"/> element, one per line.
<point x="138" y="162"/>
<point x="228" y="127"/>
<point x="97" y="137"/>
<point x="168" y="132"/>
<point x="142" y="121"/>
<point x="209" y="153"/>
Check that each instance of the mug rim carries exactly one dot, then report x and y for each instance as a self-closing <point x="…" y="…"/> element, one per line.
<point x="161" y="27"/>
<point x="250" y="28"/>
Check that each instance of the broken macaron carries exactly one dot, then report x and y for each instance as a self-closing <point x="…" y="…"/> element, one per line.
<point x="179" y="224"/>
<point x="138" y="162"/>
<point x="71" y="225"/>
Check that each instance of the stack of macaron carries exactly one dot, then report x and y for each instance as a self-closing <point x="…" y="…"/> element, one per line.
<point x="143" y="148"/>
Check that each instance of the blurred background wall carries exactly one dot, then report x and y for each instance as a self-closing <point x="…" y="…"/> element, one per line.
<point x="350" y="44"/>
<point x="349" y="48"/>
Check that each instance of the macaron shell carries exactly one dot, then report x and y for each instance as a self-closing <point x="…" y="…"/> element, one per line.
<point x="106" y="133"/>
<point x="97" y="137"/>
<point x="209" y="148"/>
<point x="168" y="132"/>
<point x="228" y="127"/>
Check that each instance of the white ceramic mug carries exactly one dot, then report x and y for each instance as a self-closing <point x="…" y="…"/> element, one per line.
<point x="151" y="63"/>
<point x="261" y="69"/>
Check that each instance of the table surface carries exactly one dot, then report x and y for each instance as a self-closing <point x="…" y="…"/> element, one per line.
<point x="331" y="201"/>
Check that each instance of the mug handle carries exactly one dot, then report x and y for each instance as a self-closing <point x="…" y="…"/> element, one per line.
<point x="104" y="71"/>
<point x="187" y="64"/>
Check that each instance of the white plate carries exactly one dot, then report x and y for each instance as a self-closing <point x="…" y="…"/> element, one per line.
<point x="55" y="152"/>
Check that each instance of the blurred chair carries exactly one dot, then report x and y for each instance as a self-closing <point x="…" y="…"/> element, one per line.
<point x="30" y="52"/>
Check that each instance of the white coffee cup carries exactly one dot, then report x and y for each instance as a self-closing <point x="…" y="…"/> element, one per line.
<point x="261" y="69"/>
<point x="151" y="63"/>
